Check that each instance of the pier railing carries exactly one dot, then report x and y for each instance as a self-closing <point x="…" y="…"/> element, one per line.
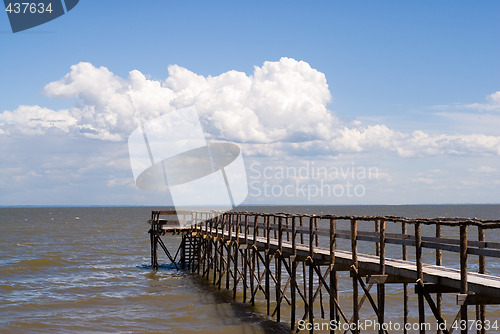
<point x="294" y="259"/>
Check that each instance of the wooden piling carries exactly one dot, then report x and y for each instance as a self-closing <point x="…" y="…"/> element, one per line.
<point x="293" y="264"/>
<point x="268" y="263"/>
<point x="439" y="261"/>
<point x="481" y="309"/>
<point x="333" y="277"/>
<point x="463" y="274"/>
<point x="354" y="253"/>
<point x="405" y="285"/>
<point x="278" y="269"/>
<point x="311" y="272"/>
<point x="381" y="286"/>
<point x="420" y="276"/>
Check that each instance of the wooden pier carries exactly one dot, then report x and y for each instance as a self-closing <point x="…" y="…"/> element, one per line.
<point x="292" y="264"/>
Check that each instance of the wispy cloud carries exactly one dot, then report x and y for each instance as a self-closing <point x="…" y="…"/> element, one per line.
<point x="491" y="104"/>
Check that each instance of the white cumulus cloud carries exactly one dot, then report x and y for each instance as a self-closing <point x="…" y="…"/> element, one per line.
<point x="282" y="101"/>
<point x="280" y="108"/>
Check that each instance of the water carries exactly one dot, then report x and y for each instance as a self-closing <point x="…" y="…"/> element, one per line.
<point x="86" y="270"/>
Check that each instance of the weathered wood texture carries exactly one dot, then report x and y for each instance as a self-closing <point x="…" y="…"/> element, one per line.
<point x="256" y="255"/>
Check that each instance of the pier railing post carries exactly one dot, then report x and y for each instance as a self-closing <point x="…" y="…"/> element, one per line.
<point x="228" y="247"/>
<point x="320" y="275"/>
<point x="253" y="257"/>
<point x="405" y="285"/>
<point x="201" y="241"/>
<point x="481" y="309"/>
<point x="333" y="276"/>
<point x="354" y="253"/>
<point x="439" y="261"/>
<point x="304" y="281"/>
<point x="420" y="276"/>
<point x="311" y="272"/>
<point x="268" y="263"/>
<point x="183" y="251"/>
<point x="279" y="258"/>
<point x="222" y="267"/>
<point x="381" y="287"/>
<point x="236" y="250"/>
<point x="245" y="260"/>
<point x="293" y="278"/>
<point x="216" y="248"/>
<point x="463" y="273"/>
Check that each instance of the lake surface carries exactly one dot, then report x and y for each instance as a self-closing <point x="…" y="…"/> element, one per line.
<point x="86" y="270"/>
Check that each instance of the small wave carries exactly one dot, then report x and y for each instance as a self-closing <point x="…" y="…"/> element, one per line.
<point x="33" y="265"/>
<point x="144" y="267"/>
<point x="170" y="266"/>
<point x="5" y="288"/>
<point x="43" y="262"/>
<point x="26" y="245"/>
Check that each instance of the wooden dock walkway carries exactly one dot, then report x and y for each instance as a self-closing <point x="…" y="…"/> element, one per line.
<point x="261" y="254"/>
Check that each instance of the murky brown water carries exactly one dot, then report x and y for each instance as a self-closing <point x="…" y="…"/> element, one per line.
<point x="86" y="270"/>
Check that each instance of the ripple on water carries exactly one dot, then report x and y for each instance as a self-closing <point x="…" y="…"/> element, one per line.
<point x="32" y="266"/>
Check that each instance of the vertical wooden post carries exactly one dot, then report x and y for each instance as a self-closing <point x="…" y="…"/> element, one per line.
<point x="198" y="243"/>
<point x="183" y="251"/>
<point x="311" y="273"/>
<point x="304" y="281"/>
<point x="293" y="278"/>
<point x="154" y="239"/>
<point x="463" y="272"/>
<point x="354" y="251"/>
<point x="236" y="250"/>
<point x="253" y="258"/>
<point x="255" y="229"/>
<point x="235" y="269"/>
<point x="216" y="250"/>
<point x="154" y="245"/>
<point x="200" y="247"/>
<point x="208" y="247"/>
<point x="420" y="276"/>
<point x="205" y="242"/>
<point x="278" y="269"/>
<point x="481" y="309"/>
<point x="245" y="260"/>
<point x="439" y="262"/>
<point x="213" y="247"/>
<point x="268" y="263"/>
<point x="222" y="267"/>
<point x="320" y="286"/>
<point x="405" y="285"/>
<point x="229" y="245"/>
<point x="287" y="225"/>
<point x="333" y="289"/>
<point x="381" y="287"/>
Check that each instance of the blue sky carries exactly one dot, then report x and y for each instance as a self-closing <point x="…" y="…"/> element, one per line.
<point x="412" y="93"/>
